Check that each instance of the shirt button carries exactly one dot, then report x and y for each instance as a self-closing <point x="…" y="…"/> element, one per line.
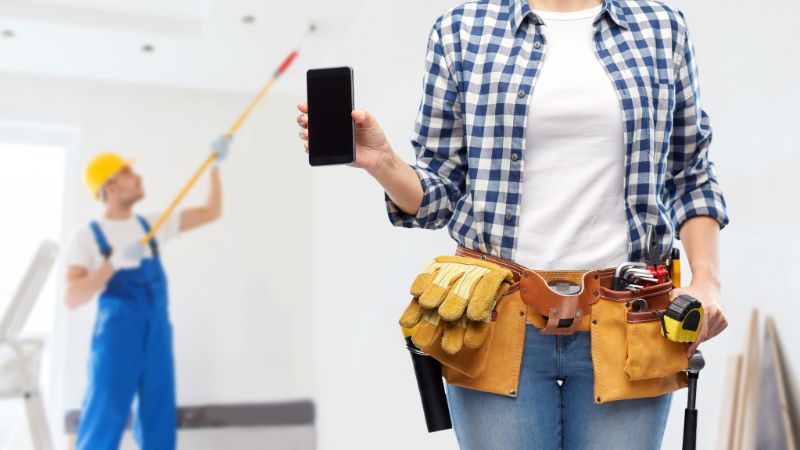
<point x="514" y="156"/>
<point x="537" y="45"/>
<point x="509" y="217"/>
<point x="521" y="93"/>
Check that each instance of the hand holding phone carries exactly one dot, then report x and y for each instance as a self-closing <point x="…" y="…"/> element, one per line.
<point x="373" y="154"/>
<point x="331" y="131"/>
<point x="371" y="147"/>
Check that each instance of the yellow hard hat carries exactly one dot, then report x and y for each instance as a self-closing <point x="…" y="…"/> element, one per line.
<point x="102" y="168"/>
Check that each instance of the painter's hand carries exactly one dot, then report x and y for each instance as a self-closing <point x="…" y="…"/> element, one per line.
<point x="372" y="148"/>
<point x="222" y="146"/>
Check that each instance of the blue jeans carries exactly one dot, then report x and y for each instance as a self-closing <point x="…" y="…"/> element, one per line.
<point x="554" y="408"/>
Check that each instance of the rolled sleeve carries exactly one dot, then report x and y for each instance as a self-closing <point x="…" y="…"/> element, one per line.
<point x="439" y="145"/>
<point x="691" y="183"/>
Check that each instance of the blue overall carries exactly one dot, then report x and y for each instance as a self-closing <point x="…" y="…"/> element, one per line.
<point x="131" y="354"/>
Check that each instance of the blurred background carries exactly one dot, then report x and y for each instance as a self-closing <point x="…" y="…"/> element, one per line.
<point x="294" y="294"/>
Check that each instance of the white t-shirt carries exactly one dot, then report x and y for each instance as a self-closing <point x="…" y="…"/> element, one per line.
<point x="84" y="251"/>
<point x="572" y="208"/>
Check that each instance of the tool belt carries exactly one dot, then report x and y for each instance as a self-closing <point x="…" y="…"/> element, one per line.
<point x="631" y="358"/>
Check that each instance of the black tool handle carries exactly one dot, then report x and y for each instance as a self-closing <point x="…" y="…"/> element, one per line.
<point x="690" y="429"/>
<point x="431" y="389"/>
<point x="652" y="255"/>
<point x="696" y="363"/>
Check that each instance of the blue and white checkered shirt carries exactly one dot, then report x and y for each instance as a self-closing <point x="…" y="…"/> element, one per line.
<point x="482" y="63"/>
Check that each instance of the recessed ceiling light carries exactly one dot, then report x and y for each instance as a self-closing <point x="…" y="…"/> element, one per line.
<point x="249" y="19"/>
<point x="147" y="48"/>
<point x="8" y="33"/>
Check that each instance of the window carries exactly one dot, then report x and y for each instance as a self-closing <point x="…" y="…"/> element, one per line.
<point x="31" y="197"/>
<point x="32" y="190"/>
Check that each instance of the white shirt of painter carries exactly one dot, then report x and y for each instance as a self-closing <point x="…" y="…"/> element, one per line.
<point x="83" y="250"/>
<point x="572" y="214"/>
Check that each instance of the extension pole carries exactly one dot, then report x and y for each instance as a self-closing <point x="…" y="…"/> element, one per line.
<point x="211" y="157"/>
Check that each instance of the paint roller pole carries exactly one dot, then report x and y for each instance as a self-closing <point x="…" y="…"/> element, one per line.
<point x="233" y="129"/>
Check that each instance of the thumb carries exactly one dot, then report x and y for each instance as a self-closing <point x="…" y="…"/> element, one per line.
<point x="362" y="118"/>
<point x="673" y="294"/>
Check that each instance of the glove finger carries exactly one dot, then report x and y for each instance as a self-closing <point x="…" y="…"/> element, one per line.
<point x="453" y="336"/>
<point x="424" y="278"/>
<point x="421" y="282"/>
<point x="456" y="301"/>
<point x="504" y="288"/>
<point x="412" y="315"/>
<point x="428" y="330"/>
<point x="476" y="334"/>
<point x="433" y="296"/>
<point x="485" y="296"/>
<point x="452" y="307"/>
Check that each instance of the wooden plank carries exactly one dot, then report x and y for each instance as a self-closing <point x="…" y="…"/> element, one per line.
<point x="777" y="419"/>
<point x="747" y="390"/>
<point x="730" y="403"/>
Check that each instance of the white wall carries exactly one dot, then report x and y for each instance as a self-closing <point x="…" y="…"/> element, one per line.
<point x="348" y="271"/>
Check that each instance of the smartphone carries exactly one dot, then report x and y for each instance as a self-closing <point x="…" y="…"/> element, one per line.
<point x="331" y="131"/>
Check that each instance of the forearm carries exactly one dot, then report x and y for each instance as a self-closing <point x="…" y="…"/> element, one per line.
<point x="401" y="183"/>
<point x="214" y="200"/>
<point x="700" y="236"/>
<point x="200" y="215"/>
<point x="81" y="290"/>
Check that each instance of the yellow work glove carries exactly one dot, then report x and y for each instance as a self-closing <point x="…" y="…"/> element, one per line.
<point x="454" y="297"/>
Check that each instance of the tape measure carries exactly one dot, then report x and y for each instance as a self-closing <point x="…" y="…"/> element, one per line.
<point x="682" y="319"/>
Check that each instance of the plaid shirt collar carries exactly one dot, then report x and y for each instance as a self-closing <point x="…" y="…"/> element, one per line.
<point x="519" y="10"/>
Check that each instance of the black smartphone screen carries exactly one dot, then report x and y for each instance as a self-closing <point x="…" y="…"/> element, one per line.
<point x="331" y="131"/>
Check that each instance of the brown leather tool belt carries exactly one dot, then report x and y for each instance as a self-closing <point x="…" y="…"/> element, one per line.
<point x="566" y="314"/>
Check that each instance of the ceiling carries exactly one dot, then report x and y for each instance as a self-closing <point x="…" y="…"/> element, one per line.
<point x="202" y="44"/>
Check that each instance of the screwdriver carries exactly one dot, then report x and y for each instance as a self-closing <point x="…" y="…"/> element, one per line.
<point x="675" y="267"/>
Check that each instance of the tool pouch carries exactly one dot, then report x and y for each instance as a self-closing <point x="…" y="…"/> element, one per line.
<point x="454" y="309"/>
<point x="502" y="351"/>
<point x="631" y="358"/>
<point x="468" y="362"/>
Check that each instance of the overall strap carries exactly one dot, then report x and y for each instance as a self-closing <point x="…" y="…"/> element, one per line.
<point x="101" y="240"/>
<point x="146" y="227"/>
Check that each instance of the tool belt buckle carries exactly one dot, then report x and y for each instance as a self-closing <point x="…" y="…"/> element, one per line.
<point x="560" y="322"/>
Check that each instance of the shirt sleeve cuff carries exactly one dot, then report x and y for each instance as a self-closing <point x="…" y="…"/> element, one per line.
<point x="434" y="200"/>
<point x="707" y="201"/>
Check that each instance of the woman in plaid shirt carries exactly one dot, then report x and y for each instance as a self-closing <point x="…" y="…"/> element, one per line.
<point x="584" y="92"/>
